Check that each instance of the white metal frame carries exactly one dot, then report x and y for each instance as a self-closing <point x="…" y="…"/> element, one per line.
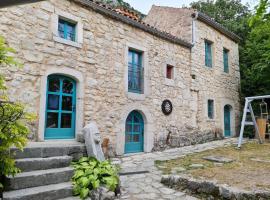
<point x="248" y="108"/>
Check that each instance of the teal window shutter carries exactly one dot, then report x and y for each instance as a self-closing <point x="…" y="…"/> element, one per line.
<point x="135" y="72"/>
<point x="210" y="109"/>
<point x="208" y="53"/>
<point x="226" y="60"/>
<point x="67" y="30"/>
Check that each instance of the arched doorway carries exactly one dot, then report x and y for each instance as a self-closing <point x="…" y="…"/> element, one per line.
<point x="60" y="108"/>
<point x="227" y="121"/>
<point x="134" y="133"/>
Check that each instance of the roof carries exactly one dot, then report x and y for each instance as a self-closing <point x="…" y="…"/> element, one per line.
<point x="7" y="3"/>
<point x="121" y="16"/>
<point x="206" y="19"/>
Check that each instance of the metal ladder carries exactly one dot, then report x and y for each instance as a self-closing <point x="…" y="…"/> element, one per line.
<point x="248" y="109"/>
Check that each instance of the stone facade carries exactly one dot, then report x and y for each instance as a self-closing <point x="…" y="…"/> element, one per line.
<point x="205" y="83"/>
<point x="98" y="62"/>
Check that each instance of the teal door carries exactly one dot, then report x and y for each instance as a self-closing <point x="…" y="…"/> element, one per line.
<point x="60" y="108"/>
<point x="134" y="133"/>
<point x="227" y="121"/>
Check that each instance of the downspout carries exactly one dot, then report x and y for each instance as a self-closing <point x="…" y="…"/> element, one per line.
<point x="194" y="18"/>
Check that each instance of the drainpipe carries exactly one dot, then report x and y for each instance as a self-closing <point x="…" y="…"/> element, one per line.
<point x="194" y="18"/>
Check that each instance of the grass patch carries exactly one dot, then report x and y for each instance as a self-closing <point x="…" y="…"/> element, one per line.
<point x="250" y="169"/>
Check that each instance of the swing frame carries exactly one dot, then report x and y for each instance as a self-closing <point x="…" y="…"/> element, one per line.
<point x="248" y="108"/>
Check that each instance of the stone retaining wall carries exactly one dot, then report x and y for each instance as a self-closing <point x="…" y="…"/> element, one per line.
<point x="186" y="136"/>
<point x="212" y="190"/>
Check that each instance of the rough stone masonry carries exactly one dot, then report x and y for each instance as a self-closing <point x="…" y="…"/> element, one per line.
<point x="98" y="62"/>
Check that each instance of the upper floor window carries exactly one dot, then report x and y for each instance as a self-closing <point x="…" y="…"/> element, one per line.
<point x="226" y="60"/>
<point x="135" y="71"/>
<point x="67" y="30"/>
<point x="210" y="105"/>
<point x="208" y="53"/>
<point x="169" y="72"/>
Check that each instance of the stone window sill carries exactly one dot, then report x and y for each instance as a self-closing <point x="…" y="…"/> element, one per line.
<point x="210" y="120"/>
<point x="226" y="73"/>
<point x="67" y="42"/>
<point x="169" y="82"/>
<point x="136" y="96"/>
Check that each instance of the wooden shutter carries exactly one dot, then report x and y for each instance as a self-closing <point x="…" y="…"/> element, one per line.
<point x="226" y="60"/>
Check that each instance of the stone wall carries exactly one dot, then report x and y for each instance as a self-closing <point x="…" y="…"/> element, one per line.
<point x="214" y="83"/>
<point x="176" y="21"/>
<point x="99" y="65"/>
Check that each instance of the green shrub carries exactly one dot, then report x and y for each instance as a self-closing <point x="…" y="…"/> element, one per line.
<point x="13" y="131"/>
<point x="91" y="173"/>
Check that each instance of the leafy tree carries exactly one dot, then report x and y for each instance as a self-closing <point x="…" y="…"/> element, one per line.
<point x="232" y="14"/>
<point x="256" y="53"/>
<point x="13" y="131"/>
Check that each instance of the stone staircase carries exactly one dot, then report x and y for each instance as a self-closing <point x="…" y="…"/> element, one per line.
<point x="46" y="171"/>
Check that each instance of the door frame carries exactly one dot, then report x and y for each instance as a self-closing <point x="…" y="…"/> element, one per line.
<point x="234" y="118"/>
<point x="141" y="123"/>
<point x="120" y="127"/>
<point x="229" y="107"/>
<point x="76" y="76"/>
<point x="73" y="112"/>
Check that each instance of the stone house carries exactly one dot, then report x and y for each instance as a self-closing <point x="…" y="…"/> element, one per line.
<point x="172" y="79"/>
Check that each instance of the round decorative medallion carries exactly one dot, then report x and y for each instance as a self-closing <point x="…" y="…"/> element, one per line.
<point x="167" y="107"/>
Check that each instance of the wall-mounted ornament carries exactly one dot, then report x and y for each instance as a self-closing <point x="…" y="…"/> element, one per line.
<point x="167" y="107"/>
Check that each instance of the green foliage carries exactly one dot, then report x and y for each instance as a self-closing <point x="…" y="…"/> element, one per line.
<point x="90" y="174"/>
<point x="13" y="131"/>
<point x="255" y="66"/>
<point x="230" y="13"/>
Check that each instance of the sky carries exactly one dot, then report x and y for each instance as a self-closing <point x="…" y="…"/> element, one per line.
<point x="145" y="5"/>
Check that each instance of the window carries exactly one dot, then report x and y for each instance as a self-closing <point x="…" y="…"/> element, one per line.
<point x="169" y="72"/>
<point x="135" y="72"/>
<point x="210" y="109"/>
<point x="226" y="60"/>
<point x="208" y="53"/>
<point x="67" y="30"/>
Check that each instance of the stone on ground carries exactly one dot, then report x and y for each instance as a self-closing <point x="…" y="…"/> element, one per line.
<point x="218" y="159"/>
<point x="196" y="166"/>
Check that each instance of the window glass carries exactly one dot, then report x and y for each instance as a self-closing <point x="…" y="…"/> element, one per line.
<point x="135" y="72"/>
<point x="66" y="120"/>
<point x="66" y="29"/>
<point x="169" y="72"/>
<point x="52" y="120"/>
<point x="53" y="102"/>
<point x="211" y="109"/>
<point x="208" y="53"/>
<point x="67" y="87"/>
<point x="54" y="85"/>
<point x="226" y="60"/>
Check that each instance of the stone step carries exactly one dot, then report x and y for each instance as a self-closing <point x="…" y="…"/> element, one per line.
<point x="39" y="178"/>
<point x="48" y="192"/>
<point x="51" y="149"/>
<point x="31" y="164"/>
<point x="73" y="198"/>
